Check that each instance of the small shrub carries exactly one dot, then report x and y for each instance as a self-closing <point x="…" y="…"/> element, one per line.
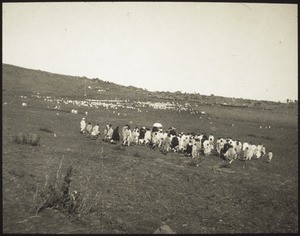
<point x="63" y="199"/>
<point x="136" y="154"/>
<point x="267" y="137"/>
<point x="165" y="152"/>
<point x="46" y="130"/>
<point x="120" y="148"/>
<point x="225" y="165"/>
<point x="192" y="163"/>
<point x="31" y="139"/>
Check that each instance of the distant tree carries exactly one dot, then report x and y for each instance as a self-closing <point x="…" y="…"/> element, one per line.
<point x="258" y="103"/>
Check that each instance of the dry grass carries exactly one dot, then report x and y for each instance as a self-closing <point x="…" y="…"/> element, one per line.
<point x="46" y="130"/>
<point x="29" y="138"/>
<point x="60" y="196"/>
<point x="134" y="189"/>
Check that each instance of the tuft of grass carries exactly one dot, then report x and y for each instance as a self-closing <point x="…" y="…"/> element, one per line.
<point x="61" y="198"/>
<point x="165" y="152"/>
<point x="120" y="148"/>
<point x="192" y="163"/>
<point x="225" y="165"/>
<point x="58" y="195"/>
<point x="31" y="139"/>
<point x="46" y="130"/>
<point x="267" y="137"/>
<point x="136" y="154"/>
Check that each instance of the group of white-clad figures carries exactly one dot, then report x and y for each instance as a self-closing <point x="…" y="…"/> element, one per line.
<point x="170" y="141"/>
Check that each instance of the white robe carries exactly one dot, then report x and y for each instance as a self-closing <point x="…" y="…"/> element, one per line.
<point x="82" y="125"/>
<point x="95" y="130"/>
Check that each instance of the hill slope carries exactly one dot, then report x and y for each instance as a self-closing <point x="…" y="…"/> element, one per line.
<point x="18" y="79"/>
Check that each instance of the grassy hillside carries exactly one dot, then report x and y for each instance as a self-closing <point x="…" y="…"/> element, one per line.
<point x="29" y="81"/>
<point x="137" y="189"/>
<point x="16" y="79"/>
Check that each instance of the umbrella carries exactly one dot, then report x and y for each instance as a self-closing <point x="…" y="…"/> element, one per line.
<point x="158" y="125"/>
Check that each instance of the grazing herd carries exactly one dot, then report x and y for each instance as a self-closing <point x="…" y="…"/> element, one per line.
<point x="170" y="140"/>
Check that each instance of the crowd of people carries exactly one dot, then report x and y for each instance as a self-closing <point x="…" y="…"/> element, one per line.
<point x="191" y="144"/>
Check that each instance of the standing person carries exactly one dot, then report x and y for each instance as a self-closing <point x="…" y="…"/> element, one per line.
<point x="175" y="143"/>
<point x="225" y="148"/>
<point x="142" y="135"/>
<point x="95" y="131"/>
<point x="189" y="147"/>
<point x="116" y="135"/>
<point x="258" y="151"/>
<point x="220" y="145"/>
<point x="204" y="138"/>
<point x="135" y="136"/>
<point x="166" y="144"/>
<point x="89" y="128"/>
<point x="105" y="132"/>
<point x="82" y="125"/>
<point x="127" y="136"/>
<point x="211" y="139"/>
<point x="196" y="148"/>
<point x="206" y="148"/>
<point x="270" y="156"/>
<point x="147" y="138"/>
<point x="123" y="131"/>
<point x="109" y="133"/>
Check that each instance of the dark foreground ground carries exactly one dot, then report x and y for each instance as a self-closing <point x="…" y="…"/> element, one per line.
<point x="136" y="189"/>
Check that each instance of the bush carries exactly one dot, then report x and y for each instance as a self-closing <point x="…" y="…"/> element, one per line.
<point x="46" y="130"/>
<point x="61" y="199"/>
<point x="120" y="148"/>
<point x="225" y="165"/>
<point x="136" y="154"/>
<point x="192" y="163"/>
<point x="31" y="139"/>
<point x="59" y="195"/>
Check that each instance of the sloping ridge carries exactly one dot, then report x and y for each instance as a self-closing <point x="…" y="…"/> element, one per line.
<point x="18" y="79"/>
<point x="27" y="80"/>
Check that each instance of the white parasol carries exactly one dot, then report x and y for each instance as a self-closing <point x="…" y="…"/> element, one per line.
<point x="158" y="125"/>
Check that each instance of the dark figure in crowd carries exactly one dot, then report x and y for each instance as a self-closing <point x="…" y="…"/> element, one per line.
<point x="172" y="131"/>
<point x="174" y="142"/>
<point x="116" y="135"/>
<point x="155" y="129"/>
<point x="204" y="137"/>
<point x="189" y="148"/>
<point x="224" y="149"/>
<point x="142" y="133"/>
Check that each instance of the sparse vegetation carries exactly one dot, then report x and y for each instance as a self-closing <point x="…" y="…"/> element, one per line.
<point x="224" y="165"/>
<point x="136" y="154"/>
<point x="59" y="196"/>
<point x="29" y="138"/>
<point x="119" y="147"/>
<point x="46" y="130"/>
<point x="114" y="188"/>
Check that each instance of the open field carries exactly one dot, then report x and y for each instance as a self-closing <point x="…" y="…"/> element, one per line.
<point x="136" y="189"/>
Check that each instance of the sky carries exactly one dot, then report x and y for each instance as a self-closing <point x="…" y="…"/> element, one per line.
<point x="227" y="49"/>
